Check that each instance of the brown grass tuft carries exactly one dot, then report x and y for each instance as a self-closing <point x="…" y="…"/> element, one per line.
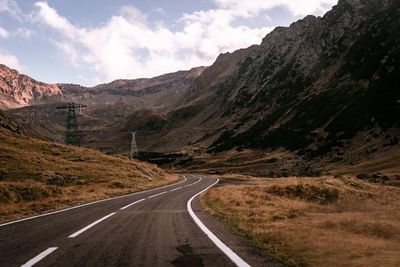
<point x="308" y="192"/>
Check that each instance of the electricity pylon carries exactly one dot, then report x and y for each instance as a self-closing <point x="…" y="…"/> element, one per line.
<point x="134" y="150"/>
<point x="72" y="135"/>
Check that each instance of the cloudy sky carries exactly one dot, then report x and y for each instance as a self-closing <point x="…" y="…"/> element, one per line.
<point x="96" y="41"/>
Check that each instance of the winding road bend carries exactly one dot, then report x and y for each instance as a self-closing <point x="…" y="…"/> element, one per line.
<point x="150" y="228"/>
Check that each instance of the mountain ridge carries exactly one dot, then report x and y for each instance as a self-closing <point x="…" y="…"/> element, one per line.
<point x="17" y="90"/>
<point x="316" y="88"/>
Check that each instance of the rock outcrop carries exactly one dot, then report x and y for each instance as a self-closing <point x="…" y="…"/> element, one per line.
<point x="308" y="86"/>
<point x="18" y="90"/>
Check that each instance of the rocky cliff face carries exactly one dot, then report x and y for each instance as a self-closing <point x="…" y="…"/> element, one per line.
<point x="309" y="86"/>
<point x="17" y="90"/>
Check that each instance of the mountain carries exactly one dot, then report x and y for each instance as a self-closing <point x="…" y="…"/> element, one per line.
<point x="106" y="104"/>
<point x="316" y="83"/>
<point x="6" y="123"/>
<point x="311" y="88"/>
<point x="158" y="92"/>
<point x="324" y="89"/>
<point x="307" y="87"/>
<point x="17" y="90"/>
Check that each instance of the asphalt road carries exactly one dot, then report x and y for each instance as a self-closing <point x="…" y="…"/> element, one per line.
<point x="151" y="228"/>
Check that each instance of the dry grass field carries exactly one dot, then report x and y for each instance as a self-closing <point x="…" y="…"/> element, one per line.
<point x="38" y="176"/>
<point x="313" y="221"/>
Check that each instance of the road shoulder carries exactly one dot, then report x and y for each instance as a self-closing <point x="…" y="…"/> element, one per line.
<point x="239" y="244"/>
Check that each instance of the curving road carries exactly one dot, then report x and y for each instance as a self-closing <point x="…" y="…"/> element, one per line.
<point x="151" y="228"/>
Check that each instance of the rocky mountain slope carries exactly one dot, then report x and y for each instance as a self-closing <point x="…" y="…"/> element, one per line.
<point x="106" y="104"/>
<point x="159" y="92"/>
<point x="7" y="123"/>
<point x="318" y="87"/>
<point x="310" y="87"/>
<point x="325" y="87"/>
<point x="316" y="83"/>
<point x="17" y="90"/>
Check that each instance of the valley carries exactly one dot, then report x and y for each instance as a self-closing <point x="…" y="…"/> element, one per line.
<point x="301" y="90"/>
<point x="289" y="150"/>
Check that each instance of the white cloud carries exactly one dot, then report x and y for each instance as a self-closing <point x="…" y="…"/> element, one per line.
<point x="51" y="17"/>
<point x="69" y="50"/>
<point x="9" y="60"/>
<point x="11" y="7"/>
<point x="129" y="46"/>
<point x="3" y="33"/>
<point x="22" y="32"/>
<point x="296" y="7"/>
<point x="159" y="10"/>
<point x="131" y="13"/>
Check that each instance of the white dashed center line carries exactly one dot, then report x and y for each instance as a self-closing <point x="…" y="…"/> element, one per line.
<point x="39" y="257"/>
<point x="133" y="203"/>
<point x="91" y="225"/>
<point x="172" y="190"/>
<point x="159" y="194"/>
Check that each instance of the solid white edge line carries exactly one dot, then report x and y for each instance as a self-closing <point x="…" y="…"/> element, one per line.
<point x="159" y="194"/>
<point x="90" y="225"/>
<point x="133" y="203"/>
<point x="91" y="203"/>
<point x="39" y="257"/>
<point x="224" y="248"/>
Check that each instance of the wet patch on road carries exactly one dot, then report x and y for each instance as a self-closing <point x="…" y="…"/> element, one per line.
<point x="188" y="258"/>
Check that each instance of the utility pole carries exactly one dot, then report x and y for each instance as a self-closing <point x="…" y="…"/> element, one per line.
<point x="72" y="135"/>
<point x="134" y="150"/>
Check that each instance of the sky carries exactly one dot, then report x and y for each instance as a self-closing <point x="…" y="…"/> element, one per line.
<point x="96" y="41"/>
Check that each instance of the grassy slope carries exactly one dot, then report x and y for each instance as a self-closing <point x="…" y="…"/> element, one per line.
<point x="36" y="176"/>
<point x="314" y="222"/>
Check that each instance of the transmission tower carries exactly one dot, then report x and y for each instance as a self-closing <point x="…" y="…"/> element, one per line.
<point x="72" y="135"/>
<point x="134" y="150"/>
